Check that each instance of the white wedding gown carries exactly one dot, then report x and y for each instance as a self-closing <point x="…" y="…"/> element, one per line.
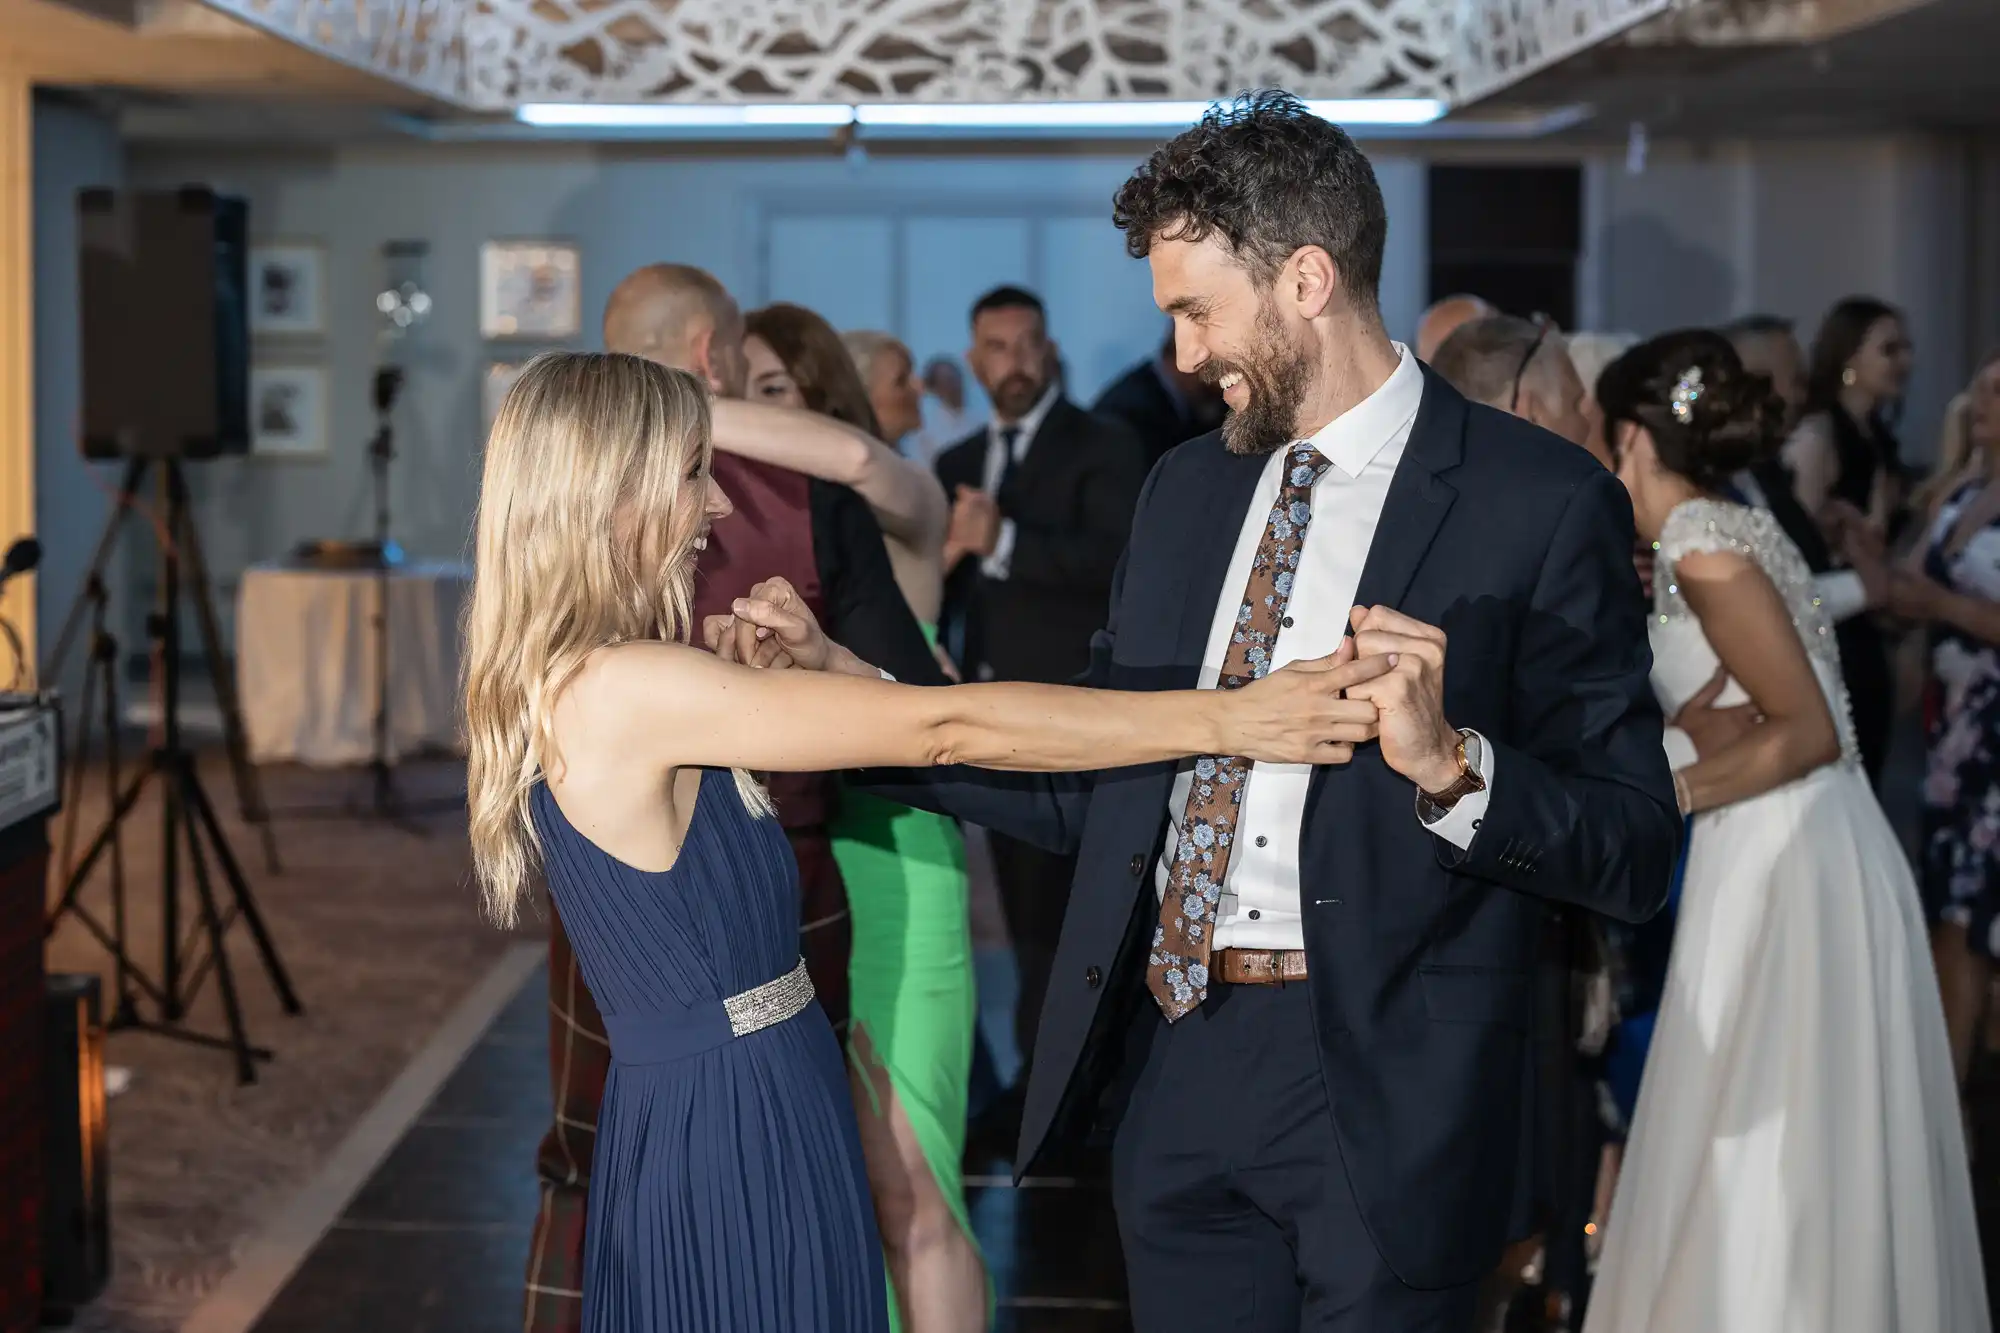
<point x="1796" y="1162"/>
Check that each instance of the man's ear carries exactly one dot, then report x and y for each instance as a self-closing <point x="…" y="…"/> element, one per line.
<point x="1310" y="280"/>
<point x="701" y="357"/>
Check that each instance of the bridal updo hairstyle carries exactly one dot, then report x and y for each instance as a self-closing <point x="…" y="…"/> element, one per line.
<point x="1708" y="416"/>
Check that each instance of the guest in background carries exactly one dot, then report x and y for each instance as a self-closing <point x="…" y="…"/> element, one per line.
<point x="1956" y="591"/>
<point x="1769" y="347"/>
<point x="947" y="421"/>
<point x="1590" y="353"/>
<point x="1860" y="362"/>
<point x="1163" y="404"/>
<point x="1844" y="447"/>
<point x="1443" y="319"/>
<point x="817" y="535"/>
<point x="1958" y="460"/>
<point x="890" y="374"/>
<point x="1043" y="506"/>
<point x="912" y="1000"/>
<point x="1519" y="366"/>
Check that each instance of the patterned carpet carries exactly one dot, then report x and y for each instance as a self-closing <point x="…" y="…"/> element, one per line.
<point x="381" y="932"/>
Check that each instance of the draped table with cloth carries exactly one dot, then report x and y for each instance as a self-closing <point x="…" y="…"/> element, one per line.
<point x="305" y="661"/>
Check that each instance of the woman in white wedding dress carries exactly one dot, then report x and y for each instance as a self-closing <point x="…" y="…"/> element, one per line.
<point x="1796" y="1163"/>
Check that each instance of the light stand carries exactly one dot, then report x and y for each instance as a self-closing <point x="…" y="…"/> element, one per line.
<point x="188" y="822"/>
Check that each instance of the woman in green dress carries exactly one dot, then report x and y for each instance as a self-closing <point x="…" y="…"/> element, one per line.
<point x="913" y="1005"/>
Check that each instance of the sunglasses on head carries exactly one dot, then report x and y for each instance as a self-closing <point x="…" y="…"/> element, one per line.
<point x="1543" y="326"/>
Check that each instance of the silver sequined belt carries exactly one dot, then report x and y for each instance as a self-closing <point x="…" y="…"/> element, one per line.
<point x="665" y="1035"/>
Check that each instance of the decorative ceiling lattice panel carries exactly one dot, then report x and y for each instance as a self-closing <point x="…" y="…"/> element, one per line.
<point x="416" y="43"/>
<point x="950" y="50"/>
<point x="1500" y="42"/>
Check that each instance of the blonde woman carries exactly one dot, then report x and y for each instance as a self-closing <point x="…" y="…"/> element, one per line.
<point x="728" y="1186"/>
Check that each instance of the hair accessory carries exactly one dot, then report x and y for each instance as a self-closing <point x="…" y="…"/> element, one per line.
<point x="1686" y="390"/>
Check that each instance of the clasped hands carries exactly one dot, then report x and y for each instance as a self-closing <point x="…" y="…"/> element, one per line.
<point x="975" y="526"/>
<point x="1385" y="684"/>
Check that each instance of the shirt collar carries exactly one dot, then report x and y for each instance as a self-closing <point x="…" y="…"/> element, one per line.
<point x="1351" y="440"/>
<point x="1031" y="423"/>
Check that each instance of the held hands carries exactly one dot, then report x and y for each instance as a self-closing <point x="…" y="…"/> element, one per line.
<point x="772" y="627"/>
<point x="1417" y="741"/>
<point x="1296" y="715"/>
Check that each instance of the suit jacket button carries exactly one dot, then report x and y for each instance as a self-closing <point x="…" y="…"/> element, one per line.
<point x="1139" y="865"/>
<point x="1093" y="977"/>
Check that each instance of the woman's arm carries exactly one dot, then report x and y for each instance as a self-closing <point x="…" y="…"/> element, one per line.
<point x="1921" y="597"/>
<point x="691" y="708"/>
<point x="1814" y="466"/>
<point x="1746" y="622"/>
<point x="907" y="500"/>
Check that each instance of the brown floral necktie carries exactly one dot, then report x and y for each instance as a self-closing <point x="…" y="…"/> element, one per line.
<point x="1177" y="967"/>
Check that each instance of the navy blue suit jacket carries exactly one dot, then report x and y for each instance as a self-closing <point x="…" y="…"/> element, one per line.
<point x="1519" y="546"/>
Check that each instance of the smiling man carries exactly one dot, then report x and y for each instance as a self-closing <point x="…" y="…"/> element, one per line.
<point x="1300" y="997"/>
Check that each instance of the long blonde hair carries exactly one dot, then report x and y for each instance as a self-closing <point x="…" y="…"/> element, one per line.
<point x="592" y="499"/>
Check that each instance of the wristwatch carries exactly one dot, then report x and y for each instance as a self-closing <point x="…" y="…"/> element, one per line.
<point x="1432" y="805"/>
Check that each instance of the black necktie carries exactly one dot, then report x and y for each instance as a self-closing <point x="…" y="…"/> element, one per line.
<point x="1009" y="437"/>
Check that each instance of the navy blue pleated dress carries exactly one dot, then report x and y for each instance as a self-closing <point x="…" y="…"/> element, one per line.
<point x="727" y="1193"/>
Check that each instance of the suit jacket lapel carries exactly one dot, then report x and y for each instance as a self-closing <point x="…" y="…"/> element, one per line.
<point x="1419" y="496"/>
<point x="1049" y="448"/>
<point x="1217" y="504"/>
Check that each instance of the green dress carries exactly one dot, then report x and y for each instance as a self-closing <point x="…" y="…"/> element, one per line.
<point x="911" y="971"/>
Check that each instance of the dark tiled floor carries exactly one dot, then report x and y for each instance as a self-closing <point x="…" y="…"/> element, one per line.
<point x="436" y="1241"/>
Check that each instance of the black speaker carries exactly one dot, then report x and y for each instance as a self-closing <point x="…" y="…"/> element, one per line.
<point x="166" y="323"/>
<point x="76" y="1214"/>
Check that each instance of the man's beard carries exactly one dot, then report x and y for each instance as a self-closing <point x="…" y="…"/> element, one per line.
<point x="1016" y="396"/>
<point x="1276" y="375"/>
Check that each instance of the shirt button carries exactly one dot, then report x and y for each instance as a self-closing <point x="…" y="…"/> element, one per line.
<point x="1256" y="915"/>
<point x="1139" y="865"/>
<point x="1092" y="977"/>
<point x="1263" y="841"/>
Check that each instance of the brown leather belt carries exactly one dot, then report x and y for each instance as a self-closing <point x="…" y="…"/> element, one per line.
<point x="1260" y="967"/>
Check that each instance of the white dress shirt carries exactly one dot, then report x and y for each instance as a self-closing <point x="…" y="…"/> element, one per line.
<point x="1260" y="907"/>
<point x="1001" y="562"/>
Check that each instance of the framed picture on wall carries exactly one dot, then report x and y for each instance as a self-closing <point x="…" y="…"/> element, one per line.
<point x="500" y="377"/>
<point x="530" y="290"/>
<point x="288" y="288"/>
<point x="288" y="406"/>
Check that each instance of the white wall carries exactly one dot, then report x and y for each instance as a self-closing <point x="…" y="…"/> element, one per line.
<point x="899" y="243"/>
<point x="1707" y="232"/>
<point x="1704" y="232"/>
<point x="72" y="149"/>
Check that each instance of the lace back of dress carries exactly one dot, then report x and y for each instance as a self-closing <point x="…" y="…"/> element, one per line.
<point x="1717" y="525"/>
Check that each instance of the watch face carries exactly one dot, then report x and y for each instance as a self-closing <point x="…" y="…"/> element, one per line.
<point x="1470" y="741"/>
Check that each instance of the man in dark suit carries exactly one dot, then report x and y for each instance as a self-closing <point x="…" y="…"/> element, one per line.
<point x="1163" y="404"/>
<point x="1302" y="997"/>
<point x="822" y="538"/>
<point x="1044" y="495"/>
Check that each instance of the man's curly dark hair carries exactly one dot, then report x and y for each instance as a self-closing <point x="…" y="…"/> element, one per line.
<point x="1269" y="177"/>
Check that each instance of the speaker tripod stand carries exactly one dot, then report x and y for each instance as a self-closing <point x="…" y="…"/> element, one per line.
<point x="188" y="821"/>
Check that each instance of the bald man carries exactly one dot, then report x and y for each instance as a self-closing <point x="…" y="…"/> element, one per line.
<point x="1443" y="319"/>
<point x="1518" y="366"/>
<point x="825" y="540"/>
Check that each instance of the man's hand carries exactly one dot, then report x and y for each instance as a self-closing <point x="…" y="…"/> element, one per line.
<point x="1417" y="741"/>
<point x="1714" y="729"/>
<point x="975" y="526"/>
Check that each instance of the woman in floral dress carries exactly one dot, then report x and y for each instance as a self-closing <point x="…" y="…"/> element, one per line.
<point x="1958" y="593"/>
